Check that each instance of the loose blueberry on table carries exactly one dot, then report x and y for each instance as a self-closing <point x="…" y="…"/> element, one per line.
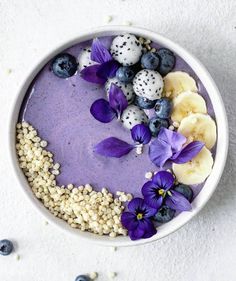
<point x="113" y="111"/>
<point x="6" y="247"/>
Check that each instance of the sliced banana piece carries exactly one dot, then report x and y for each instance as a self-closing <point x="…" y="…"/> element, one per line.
<point x="195" y="171"/>
<point x="199" y="127"/>
<point x="187" y="103"/>
<point x="177" y="82"/>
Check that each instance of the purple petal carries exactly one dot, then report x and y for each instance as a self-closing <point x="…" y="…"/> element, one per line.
<point x="189" y="152"/>
<point x="108" y="69"/>
<point x="178" y="202"/>
<point x="129" y="220"/>
<point x="89" y="74"/>
<point x="149" y="211"/>
<point x="102" y="111"/>
<point x="174" y="139"/>
<point x="149" y="228"/>
<point x="136" y="233"/>
<point x="145" y="229"/>
<point x="140" y="133"/>
<point x="99" y="52"/>
<point x="159" y="152"/>
<point x="136" y="203"/>
<point x="151" y="197"/>
<point x="164" y="180"/>
<point x="117" y="99"/>
<point x="113" y="147"/>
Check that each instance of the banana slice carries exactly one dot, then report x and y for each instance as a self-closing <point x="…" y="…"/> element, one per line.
<point x="177" y="82"/>
<point x="196" y="170"/>
<point x="199" y="127"/>
<point x="187" y="103"/>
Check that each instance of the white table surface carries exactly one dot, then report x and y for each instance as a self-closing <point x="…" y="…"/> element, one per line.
<point x="203" y="250"/>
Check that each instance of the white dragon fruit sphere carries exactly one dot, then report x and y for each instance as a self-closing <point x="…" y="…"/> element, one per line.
<point x="148" y="84"/>
<point x="84" y="58"/>
<point x="132" y="116"/>
<point x="126" y="88"/>
<point x="126" y="49"/>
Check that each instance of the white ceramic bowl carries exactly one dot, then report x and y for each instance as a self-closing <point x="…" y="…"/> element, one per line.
<point x="222" y="138"/>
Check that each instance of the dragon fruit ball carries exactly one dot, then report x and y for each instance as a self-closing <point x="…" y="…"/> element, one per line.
<point x="148" y="84"/>
<point x="84" y="59"/>
<point x="132" y="116"/>
<point x="126" y="88"/>
<point x="126" y="49"/>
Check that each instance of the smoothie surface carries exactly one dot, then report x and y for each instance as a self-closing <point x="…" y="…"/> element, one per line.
<point x="60" y="111"/>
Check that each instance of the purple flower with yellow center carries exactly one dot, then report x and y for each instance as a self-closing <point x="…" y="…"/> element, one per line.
<point x="160" y="190"/>
<point x="105" y="68"/>
<point x="138" y="220"/>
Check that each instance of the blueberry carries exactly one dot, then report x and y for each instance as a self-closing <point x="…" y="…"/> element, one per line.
<point x="163" y="108"/>
<point x="82" y="278"/>
<point x="144" y="103"/>
<point x="64" y="65"/>
<point x="6" y="247"/>
<point x="185" y="190"/>
<point x="155" y="124"/>
<point x="150" y="60"/>
<point x="125" y="74"/>
<point x="167" y="61"/>
<point x="164" y="214"/>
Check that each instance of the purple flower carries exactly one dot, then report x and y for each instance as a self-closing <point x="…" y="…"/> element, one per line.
<point x="106" y="67"/>
<point x="159" y="190"/>
<point x="105" y="111"/>
<point x="138" y="220"/>
<point x="114" y="147"/>
<point x="169" y="145"/>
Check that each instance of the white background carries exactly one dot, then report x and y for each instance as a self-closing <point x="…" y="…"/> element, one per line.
<point x="203" y="250"/>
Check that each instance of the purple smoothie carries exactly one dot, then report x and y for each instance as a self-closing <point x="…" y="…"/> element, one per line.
<point x="60" y="111"/>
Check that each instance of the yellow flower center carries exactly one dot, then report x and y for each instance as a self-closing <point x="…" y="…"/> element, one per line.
<point x="161" y="192"/>
<point x="139" y="216"/>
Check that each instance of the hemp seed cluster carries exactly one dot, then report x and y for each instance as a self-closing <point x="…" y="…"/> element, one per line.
<point x="81" y="207"/>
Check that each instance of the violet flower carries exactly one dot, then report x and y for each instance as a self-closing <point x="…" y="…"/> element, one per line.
<point x="169" y="145"/>
<point x="159" y="190"/>
<point x="138" y="220"/>
<point x="105" y="111"/>
<point x="114" y="147"/>
<point x="106" y="67"/>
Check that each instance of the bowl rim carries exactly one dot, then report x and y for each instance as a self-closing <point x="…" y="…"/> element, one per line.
<point x="221" y="149"/>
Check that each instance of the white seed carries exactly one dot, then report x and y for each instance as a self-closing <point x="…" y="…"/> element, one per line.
<point x="93" y="275"/>
<point x="171" y="127"/>
<point x="113" y="249"/>
<point x="148" y="175"/>
<point x="43" y="143"/>
<point x="108" y="18"/>
<point x="112" y="275"/>
<point x="126" y="22"/>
